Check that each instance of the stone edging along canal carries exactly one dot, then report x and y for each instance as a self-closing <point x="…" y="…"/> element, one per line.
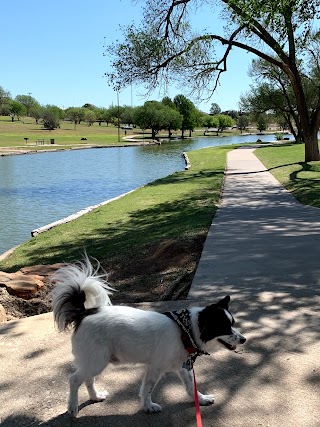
<point x="69" y="218"/>
<point x="76" y="215"/>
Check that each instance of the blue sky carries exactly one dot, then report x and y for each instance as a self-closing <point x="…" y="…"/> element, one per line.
<point x="54" y="51"/>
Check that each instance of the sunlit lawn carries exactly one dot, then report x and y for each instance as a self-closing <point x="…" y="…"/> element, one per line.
<point x="287" y="164"/>
<point x="12" y="134"/>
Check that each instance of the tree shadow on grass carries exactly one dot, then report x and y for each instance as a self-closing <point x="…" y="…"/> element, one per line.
<point x="307" y="191"/>
<point x="181" y="218"/>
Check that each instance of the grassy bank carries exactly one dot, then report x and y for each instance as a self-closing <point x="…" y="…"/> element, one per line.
<point x="287" y="164"/>
<point x="179" y="207"/>
<point x="12" y="135"/>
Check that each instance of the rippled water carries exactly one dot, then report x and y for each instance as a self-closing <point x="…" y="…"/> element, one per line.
<point x="38" y="189"/>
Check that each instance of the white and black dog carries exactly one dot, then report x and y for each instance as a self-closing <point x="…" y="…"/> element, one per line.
<point x="104" y="333"/>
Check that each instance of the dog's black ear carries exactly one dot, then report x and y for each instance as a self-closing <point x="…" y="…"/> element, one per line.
<point x="224" y="303"/>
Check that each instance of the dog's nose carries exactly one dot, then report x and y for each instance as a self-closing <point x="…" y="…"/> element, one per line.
<point x="243" y="340"/>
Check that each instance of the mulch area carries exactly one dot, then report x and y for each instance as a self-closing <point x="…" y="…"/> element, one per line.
<point x="164" y="272"/>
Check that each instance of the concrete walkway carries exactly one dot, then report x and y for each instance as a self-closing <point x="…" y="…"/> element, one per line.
<point x="261" y="239"/>
<point x="262" y="249"/>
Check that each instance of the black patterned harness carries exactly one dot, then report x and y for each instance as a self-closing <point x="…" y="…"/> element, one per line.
<point x="182" y="319"/>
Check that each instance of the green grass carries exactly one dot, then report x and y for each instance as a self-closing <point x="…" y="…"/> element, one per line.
<point x="180" y="206"/>
<point x="287" y="164"/>
<point x="12" y="134"/>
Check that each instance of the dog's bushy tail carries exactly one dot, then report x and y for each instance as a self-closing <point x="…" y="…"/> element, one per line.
<point x="79" y="291"/>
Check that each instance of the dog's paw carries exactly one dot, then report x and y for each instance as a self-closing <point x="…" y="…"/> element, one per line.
<point x="73" y="411"/>
<point x="152" y="408"/>
<point x="99" y="396"/>
<point x="206" y="399"/>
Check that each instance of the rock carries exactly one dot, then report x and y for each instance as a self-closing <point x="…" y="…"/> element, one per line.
<point x="4" y="278"/>
<point x="26" y="291"/>
<point x="23" y="288"/>
<point x="42" y="270"/>
<point x="3" y="315"/>
<point x="26" y="282"/>
<point x="21" y="285"/>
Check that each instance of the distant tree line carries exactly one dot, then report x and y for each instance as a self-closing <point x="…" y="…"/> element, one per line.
<point x="263" y="105"/>
<point x="169" y="114"/>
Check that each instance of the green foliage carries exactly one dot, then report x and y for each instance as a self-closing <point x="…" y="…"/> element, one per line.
<point x="5" y="98"/>
<point x="76" y="115"/>
<point x="168" y="102"/>
<point x="90" y="117"/>
<point x="232" y="113"/>
<point x="102" y="115"/>
<point x="127" y="115"/>
<point x="279" y="32"/>
<point x="51" y="117"/>
<point x="89" y="106"/>
<point x="210" y="121"/>
<point x="17" y="109"/>
<point x="189" y="113"/>
<point x="215" y="109"/>
<point x="224" y="121"/>
<point x="156" y="116"/>
<point x="273" y="93"/>
<point x="58" y="111"/>
<point x="275" y="15"/>
<point x="116" y="111"/>
<point x="36" y="112"/>
<point x="138" y="44"/>
<point x="243" y="122"/>
<point x="172" y="119"/>
<point x="28" y="101"/>
<point x="262" y="122"/>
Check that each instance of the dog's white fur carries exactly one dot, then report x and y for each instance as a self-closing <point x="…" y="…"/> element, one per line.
<point x="121" y="334"/>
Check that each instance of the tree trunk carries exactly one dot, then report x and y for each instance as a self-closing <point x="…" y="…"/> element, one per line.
<point x="308" y="126"/>
<point x="311" y="148"/>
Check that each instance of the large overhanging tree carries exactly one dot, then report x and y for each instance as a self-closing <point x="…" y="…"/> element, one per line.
<point x="165" y="47"/>
<point x="273" y="92"/>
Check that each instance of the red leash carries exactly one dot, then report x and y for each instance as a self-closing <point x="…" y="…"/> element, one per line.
<point x="196" y="401"/>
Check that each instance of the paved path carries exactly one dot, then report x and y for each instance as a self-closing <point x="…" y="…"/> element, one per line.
<point x="261" y="237"/>
<point x="262" y="249"/>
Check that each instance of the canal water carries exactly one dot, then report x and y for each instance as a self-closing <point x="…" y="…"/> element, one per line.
<point x="37" y="189"/>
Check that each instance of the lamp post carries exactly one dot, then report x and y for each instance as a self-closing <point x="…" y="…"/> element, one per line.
<point x="118" y="115"/>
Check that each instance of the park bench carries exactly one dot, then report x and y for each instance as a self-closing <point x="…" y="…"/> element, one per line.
<point x="41" y="141"/>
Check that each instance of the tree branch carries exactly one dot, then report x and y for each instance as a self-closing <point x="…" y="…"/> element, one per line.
<point x="167" y="19"/>
<point x="258" y="30"/>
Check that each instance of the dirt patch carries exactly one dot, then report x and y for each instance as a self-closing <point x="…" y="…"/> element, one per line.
<point x="165" y="271"/>
<point x="161" y="272"/>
